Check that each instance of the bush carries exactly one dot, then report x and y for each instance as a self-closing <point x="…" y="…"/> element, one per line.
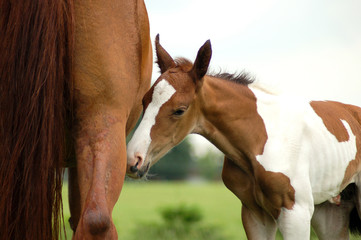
<point x="182" y="214"/>
<point x="180" y="222"/>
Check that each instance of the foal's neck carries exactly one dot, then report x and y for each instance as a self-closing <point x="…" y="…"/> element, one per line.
<point x="229" y="119"/>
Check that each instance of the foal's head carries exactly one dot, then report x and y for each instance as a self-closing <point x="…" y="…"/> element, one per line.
<point x="171" y="109"/>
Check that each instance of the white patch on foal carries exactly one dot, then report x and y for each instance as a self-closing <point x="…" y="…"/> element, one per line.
<point x="301" y="147"/>
<point x="141" y="139"/>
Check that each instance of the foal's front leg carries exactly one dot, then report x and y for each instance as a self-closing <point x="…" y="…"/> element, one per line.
<point x="295" y="223"/>
<point x="257" y="228"/>
<point x="257" y="223"/>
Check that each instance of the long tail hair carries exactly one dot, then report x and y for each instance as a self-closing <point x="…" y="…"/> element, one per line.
<point x="36" y="48"/>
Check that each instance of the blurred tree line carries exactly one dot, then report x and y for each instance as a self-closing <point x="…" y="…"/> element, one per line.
<point x="181" y="163"/>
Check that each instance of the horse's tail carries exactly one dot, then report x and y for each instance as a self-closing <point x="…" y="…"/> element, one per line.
<point x="36" y="44"/>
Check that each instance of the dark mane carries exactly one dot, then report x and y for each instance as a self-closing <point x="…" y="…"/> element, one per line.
<point x="240" y="78"/>
<point x="243" y="78"/>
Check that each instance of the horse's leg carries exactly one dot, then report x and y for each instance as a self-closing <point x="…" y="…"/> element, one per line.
<point x="101" y="164"/>
<point x="330" y="221"/>
<point x="256" y="222"/>
<point x="74" y="198"/>
<point x="257" y="228"/>
<point x="355" y="216"/>
<point x="295" y="223"/>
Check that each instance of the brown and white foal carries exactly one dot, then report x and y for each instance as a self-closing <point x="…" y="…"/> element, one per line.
<point x="284" y="155"/>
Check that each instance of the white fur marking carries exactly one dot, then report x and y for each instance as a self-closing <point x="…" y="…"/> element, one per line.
<point x="141" y="139"/>
<point x="300" y="146"/>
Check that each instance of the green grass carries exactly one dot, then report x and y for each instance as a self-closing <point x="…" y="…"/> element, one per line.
<point x="140" y="203"/>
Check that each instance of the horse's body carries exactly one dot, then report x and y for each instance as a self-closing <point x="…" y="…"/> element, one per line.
<point x="112" y="66"/>
<point x="97" y="76"/>
<point x="283" y="154"/>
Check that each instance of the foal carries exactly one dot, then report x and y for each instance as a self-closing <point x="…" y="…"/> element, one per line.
<point x="283" y="155"/>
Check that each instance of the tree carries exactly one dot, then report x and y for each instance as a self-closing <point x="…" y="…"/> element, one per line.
<point x="176" y="164"/>
<point x="209" y="165"/>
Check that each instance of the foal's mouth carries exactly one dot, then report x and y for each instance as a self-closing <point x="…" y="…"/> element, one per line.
<point x="138" y="173"/>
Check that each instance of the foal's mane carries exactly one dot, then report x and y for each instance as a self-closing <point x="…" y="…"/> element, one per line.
<point x="239" y="77"/>
<point x="184" y="64"/>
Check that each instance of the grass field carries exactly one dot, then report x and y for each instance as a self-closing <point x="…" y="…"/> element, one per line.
<point x="140" y="202"/>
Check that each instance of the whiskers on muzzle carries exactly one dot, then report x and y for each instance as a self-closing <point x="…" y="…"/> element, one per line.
<point x="137" y="173"/>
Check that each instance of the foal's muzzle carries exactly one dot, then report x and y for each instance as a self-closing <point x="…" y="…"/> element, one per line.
<point x="134" y="172"/>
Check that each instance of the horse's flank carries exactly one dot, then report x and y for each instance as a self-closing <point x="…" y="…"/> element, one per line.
<point x="36" y="48"/>
<point x="352" y="115"/>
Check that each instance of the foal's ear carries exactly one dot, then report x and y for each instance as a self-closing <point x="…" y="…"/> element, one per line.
<point x="164" y="60"/>
<point x="201" y="63"/>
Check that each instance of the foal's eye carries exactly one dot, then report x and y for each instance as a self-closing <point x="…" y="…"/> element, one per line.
<point x="179" y="112"/>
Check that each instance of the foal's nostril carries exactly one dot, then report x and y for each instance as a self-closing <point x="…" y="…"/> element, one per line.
<point x="134" y="168"/>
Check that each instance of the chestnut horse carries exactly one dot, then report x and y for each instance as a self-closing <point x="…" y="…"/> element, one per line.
<point x="73" y="74"/>
<point x="283" y="155"/>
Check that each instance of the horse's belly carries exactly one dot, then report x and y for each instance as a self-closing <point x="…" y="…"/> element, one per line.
<point x="328" y="161"/>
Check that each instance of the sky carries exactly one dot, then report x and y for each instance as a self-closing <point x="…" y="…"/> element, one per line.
<point x="307" y="48"/>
